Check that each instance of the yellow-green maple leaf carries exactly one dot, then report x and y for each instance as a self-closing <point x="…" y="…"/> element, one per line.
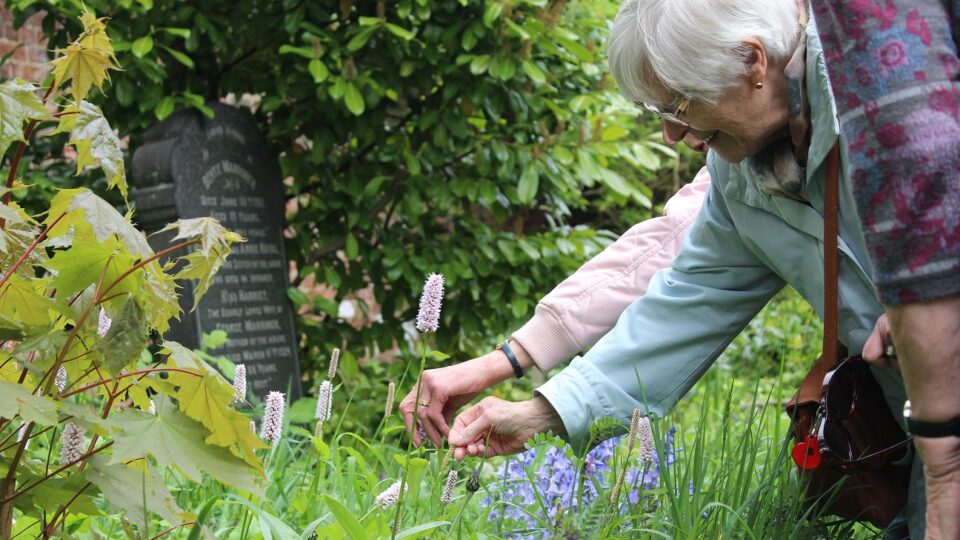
<point x="83" y="67"/>
<point x="206" y="396"/>
<point x="95" y="142"/>
<point x="82" y="265"/>
<point x="97" y="215"/>
<point x="18" y="103"/>
<point x="203" y="264"/>
<point x="95" y="35"/>
<point x="21" y="298"/>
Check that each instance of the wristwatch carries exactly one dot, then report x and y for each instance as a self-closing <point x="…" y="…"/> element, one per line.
<point x="920" y="428"/>
<point x="505" y="347"/>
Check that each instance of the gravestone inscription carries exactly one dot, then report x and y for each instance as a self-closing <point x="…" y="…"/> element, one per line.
<point x="191" y="166"/>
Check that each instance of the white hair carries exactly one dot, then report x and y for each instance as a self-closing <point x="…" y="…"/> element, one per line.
<point x="695" y="47"/>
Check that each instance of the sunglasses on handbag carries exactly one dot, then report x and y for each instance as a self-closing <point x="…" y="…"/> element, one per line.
<point x="842" y="434"/>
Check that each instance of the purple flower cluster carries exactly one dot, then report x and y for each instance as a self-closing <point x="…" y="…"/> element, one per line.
<point x="530" y="495"/>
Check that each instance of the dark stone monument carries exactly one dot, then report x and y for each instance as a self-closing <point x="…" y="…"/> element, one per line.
<point x="190" y="166"/>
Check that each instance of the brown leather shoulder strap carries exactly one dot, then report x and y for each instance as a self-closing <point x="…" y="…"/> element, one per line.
<point x="831" y="211"/>
<point x="810" y="388"/>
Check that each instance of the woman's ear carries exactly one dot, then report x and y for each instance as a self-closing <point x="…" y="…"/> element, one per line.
<point x="755" y="58"/>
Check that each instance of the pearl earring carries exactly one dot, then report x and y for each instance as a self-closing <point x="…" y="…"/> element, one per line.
<point x="758" y="85"/>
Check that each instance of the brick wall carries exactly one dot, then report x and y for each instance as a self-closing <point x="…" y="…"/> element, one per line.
<point x="29" y="61"/>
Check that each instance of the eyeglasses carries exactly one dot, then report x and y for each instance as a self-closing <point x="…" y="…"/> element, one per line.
<point x="843" y="389"/>
<point x="672" y="116"/>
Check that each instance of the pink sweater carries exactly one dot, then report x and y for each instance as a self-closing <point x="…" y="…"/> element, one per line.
<point x="581" y="309"/>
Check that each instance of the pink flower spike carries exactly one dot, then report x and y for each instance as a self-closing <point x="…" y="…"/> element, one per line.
<point x="447" y="496"/>
<point x="240" y="384"/>
<point x="324" y="401"/>
<point x="73" y="440"/>
<point x="390" y="496"/>
<point x="272" y="417"/>
<point x="428" y="318"/>
<point x="61" y="379"/>
<point x="645" y="434"/>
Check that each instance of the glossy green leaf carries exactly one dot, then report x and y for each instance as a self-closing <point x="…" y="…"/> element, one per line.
<point x="164" y="107"/>
<point x="529" y="183"/>
<point x="178" y="56"/>
<point x="142" y="46"/>
<point x="399" y="31"/>
<point x="354" y="99"/>
<point x="492" y="12"/>
<point x="318" y="70"/>
<point x="361" y="38"/>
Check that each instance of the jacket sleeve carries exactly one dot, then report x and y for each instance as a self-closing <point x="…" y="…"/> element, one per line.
<point x="666" y="340"/>
<point x="575" y="314"/>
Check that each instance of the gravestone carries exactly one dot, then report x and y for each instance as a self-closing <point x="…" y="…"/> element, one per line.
<point x="190" y="166"/>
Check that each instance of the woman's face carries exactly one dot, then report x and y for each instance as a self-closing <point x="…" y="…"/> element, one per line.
<point x="743" y="121"/>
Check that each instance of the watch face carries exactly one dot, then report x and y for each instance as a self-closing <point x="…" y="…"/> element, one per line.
<point x="906" y="409"/>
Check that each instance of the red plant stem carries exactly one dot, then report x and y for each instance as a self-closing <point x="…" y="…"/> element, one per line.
<point x="125" y="375"/>
<point x="62" y="468"/>
<point x="29" y="250"/>
<point x="171" y="529"/>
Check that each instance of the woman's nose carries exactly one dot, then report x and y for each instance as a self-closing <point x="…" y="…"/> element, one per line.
<point x="672" y="133"/>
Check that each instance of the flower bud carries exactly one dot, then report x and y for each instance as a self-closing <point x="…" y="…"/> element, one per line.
<point x="334" y="361"/>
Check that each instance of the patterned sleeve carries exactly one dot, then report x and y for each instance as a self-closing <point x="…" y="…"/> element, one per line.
<point x="893" y="67"/>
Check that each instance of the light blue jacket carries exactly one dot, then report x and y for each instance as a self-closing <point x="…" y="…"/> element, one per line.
<point x="743" y="248"/>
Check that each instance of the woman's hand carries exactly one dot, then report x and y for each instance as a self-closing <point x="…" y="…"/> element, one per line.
<point x="878" y="346"/>
<point x="495" y="427"/>
<point x="446" y="389"/>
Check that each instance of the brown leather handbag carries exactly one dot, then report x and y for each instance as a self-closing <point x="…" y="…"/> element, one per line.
<point x="846" y="438"/>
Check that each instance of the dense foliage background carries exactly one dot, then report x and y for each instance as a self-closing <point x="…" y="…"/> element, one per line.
<point x="483" y="140"/>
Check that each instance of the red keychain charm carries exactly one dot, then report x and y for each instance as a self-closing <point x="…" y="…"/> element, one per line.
<point x="806" y="454"/>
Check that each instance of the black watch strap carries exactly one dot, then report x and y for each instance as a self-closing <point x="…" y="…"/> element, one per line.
<point x="505" y="347"/>
<point x="920" y="428"/>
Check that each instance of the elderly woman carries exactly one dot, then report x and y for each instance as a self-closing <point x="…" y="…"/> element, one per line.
<point x="747" y="79"/>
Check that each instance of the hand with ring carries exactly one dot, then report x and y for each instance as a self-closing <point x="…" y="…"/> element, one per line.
<point x="879" y="349"/>
<point x="445" y="390"/>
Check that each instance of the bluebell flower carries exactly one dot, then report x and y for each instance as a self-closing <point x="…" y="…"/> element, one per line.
<point x="528" y="492"/>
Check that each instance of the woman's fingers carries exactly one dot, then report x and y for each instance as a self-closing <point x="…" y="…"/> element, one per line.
<point x="472" y="423"/>
<point x="406" y="410"/>
<point x="879" y="346"/>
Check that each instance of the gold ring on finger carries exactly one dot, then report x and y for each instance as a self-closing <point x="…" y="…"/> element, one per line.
<point x="423" y="403"/>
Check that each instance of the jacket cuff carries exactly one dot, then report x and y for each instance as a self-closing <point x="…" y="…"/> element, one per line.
<point x="572" y="395"/>
<point x="546" y="339"/>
